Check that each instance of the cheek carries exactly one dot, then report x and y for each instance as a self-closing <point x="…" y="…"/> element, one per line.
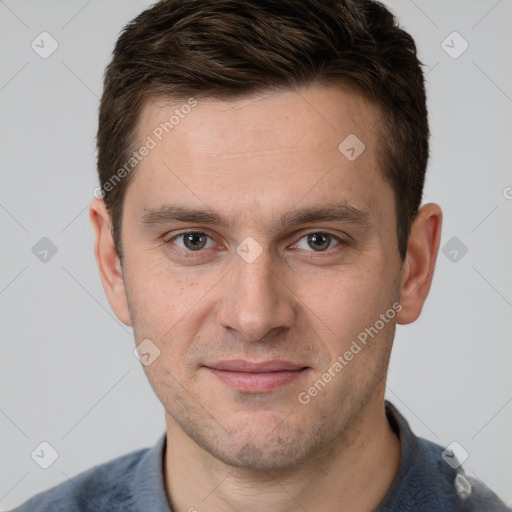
<point x="352" y="300"/>
<point x="157" y="299"/>
<point x="169" y="307"/>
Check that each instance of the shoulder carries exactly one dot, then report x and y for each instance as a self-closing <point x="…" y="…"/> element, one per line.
<point x="481" y="498"/>
<point x="466" y="493"/>
<point x="91" y="490"/>
<point x="431" y="478"/>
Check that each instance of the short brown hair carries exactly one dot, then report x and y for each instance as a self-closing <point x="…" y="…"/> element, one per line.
<point x="224" y="49"/>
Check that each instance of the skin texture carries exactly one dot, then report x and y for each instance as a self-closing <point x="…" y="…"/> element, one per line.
<point x="252" y="160"/>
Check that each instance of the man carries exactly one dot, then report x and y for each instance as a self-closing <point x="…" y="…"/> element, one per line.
<point x="261" y="168"/>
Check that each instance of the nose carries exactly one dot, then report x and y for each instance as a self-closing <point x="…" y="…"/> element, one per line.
<point x="256" y="301"/>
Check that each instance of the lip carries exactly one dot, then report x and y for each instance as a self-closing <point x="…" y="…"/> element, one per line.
<point x="253" y="377"/>
<point x="240" y="365"/>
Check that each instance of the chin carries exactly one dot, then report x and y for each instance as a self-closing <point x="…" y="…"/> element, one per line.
<point x="264" y="459"/>
<point x="261" y="450"/>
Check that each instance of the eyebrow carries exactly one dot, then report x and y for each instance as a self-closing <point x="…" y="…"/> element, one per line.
<point x="333" y="212"/>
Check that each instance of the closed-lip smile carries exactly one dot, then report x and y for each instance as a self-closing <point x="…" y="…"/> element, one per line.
<point x="255" y="377"/>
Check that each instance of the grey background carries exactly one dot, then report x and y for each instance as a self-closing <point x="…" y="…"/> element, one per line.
<point x="67" y="372"/>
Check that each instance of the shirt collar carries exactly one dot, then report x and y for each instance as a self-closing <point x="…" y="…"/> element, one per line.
<point x="149" y="480"/>
<point x="150" y="487"/>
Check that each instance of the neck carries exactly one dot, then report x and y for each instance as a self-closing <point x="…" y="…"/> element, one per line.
<point x="353" y="475"/>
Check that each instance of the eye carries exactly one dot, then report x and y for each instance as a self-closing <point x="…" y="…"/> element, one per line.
<point x="318" y="241"/>
<point x="192" y="241"/>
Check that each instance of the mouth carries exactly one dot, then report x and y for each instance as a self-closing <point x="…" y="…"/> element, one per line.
<point x="251" y="377"/>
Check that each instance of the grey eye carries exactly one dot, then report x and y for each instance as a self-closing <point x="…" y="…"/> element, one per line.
<point x="318" y="241"/>
<point x="192" y="241"/>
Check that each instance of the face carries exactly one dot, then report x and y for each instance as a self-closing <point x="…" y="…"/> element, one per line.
<point x="255" y="253"/>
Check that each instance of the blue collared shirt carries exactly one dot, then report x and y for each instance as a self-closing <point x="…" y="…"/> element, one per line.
<point x="135" y="482"/>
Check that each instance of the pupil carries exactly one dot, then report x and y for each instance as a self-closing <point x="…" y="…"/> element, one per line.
<point x="195" y="241"/>
<point x="318" y="241"/>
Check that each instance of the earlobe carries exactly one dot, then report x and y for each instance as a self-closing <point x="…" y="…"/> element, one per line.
<point x="109" y="265"/>
<point x="419" y="265"/>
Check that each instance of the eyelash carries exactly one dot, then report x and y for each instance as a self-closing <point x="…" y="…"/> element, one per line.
<point x="195" y="254"/>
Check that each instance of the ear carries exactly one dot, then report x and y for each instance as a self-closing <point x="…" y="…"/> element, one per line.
<point x="108" y="261"/>
<point x="420" y="261"/>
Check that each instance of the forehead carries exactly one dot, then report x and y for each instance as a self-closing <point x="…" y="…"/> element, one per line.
<point x="314" y="117"/>
<point x="271" y="149"/>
